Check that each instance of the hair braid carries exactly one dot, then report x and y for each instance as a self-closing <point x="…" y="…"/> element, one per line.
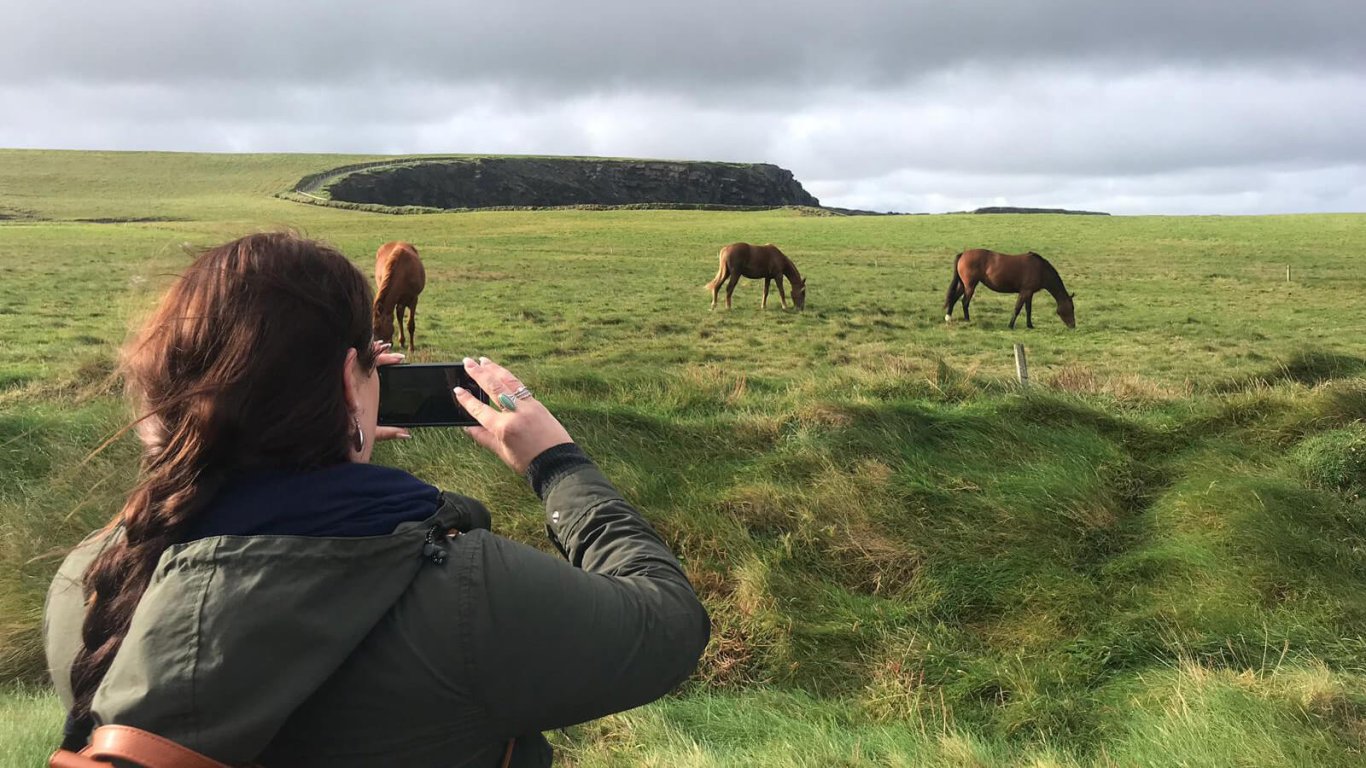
<point x="240" y="366"/>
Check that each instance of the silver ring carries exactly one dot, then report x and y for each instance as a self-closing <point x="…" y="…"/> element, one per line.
<point x="522" y="393"/>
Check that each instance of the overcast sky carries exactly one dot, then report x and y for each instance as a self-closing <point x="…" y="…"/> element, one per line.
<point x="1135" y="106"/>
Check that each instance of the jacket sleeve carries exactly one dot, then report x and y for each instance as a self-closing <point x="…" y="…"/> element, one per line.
<point x="555" y="643"/>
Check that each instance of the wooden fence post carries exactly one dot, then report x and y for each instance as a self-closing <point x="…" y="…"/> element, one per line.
<point x="1021" y="366"/>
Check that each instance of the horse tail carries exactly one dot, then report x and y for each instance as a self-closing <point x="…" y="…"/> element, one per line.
<point x="955" y="285"/>
<point x="720" y="272"/>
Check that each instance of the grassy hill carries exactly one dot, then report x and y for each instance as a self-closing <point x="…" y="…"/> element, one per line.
<point x="1156" y="556"/>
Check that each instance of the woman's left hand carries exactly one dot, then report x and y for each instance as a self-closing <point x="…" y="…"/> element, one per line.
<point x="384" y="357"/>
<point x="517" y="433"/>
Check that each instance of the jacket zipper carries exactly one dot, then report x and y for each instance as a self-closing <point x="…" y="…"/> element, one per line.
<point x="431" y="549"/>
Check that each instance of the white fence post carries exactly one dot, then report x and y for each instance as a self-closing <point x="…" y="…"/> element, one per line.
<point x="1021" y="366"/>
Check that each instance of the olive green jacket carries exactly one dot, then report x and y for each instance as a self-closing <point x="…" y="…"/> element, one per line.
<point x="409" y="649"/>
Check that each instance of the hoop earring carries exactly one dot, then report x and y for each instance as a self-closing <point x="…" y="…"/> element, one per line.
<point x="358" y="438"/>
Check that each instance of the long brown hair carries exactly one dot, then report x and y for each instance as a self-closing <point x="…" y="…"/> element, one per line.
<point x="239" y="367"/>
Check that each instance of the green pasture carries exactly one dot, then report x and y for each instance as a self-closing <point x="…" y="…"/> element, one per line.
<point x="1155" y="555"/>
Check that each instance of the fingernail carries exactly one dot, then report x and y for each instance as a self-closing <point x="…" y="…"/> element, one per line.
<point x="483" y="361"/>
<point x="405" y="436"/>
<point x="399" y="355"/>
<point x="469" y="361"/>
<point x="459" y="390"/>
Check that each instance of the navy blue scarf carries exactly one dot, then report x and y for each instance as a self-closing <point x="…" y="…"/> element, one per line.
<point x="342" y="500"/>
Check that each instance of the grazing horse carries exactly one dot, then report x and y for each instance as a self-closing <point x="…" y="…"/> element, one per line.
<point x="1022" y="273"/>
<point x="399" y="278"/>
<point x="757" y="261"/>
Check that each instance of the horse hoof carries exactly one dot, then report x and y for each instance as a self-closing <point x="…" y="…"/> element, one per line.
<point x="948" y="318"/>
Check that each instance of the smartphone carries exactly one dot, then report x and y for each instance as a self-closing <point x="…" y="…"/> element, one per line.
<point x="419" y="395"/>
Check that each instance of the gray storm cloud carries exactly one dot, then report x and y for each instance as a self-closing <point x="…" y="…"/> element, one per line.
<point x="703" y="46"/>
<point x="1170" y="107"/>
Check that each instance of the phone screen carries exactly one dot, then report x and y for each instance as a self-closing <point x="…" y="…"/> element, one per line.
<point x="419" y="395"/>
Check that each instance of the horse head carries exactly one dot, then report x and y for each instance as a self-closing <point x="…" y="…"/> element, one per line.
<point x="1067" y="312"/>
<point x="799" y="294"/>
<point x="383" y="322"/>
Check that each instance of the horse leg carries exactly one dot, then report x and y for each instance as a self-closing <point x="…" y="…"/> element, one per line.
<point x="730" y="287"/>
<point x="955" y="290"/>
<point x="958" y="293"/>
<point x="764" y="304"/>
<point x="1029" y="312"/>
<point x="1019" y="304"/>
<point x="412" y="323"/>
<point x="968" y="291"/>
<point x="398" y="322"/>
<point x="781" y="293"/>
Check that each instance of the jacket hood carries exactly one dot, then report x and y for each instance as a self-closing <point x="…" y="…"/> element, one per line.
<point x="235" y="632"/>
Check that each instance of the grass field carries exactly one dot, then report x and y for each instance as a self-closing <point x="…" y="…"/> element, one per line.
<point x="1155" y="556"/>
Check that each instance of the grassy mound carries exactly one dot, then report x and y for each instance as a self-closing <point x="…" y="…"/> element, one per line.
<point x="1336" y="460"/>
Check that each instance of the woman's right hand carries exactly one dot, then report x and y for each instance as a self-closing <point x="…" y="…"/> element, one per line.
<point x="515" y="436"/>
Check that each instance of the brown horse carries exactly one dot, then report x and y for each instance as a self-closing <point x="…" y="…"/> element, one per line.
<point x="1022" y="273"/>
<point x="399" y="278"/>
<point x="757" y="261"/>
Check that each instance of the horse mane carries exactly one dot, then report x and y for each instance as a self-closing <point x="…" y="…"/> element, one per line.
<point x="387" y="284"/>
<point x="382" y="295"/>
<point x="1050" y="270"/>
<point x="789" y="266"/>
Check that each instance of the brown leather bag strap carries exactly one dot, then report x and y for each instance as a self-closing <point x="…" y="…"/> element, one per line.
<point x="122" y="742"/>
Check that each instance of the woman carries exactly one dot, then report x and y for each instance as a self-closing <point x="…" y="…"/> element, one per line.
<point x="266" y="595"/>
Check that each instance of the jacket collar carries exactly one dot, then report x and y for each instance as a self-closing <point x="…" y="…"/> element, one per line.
<point x="343" y="500"/>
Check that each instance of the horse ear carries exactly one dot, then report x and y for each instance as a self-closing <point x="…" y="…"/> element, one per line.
<point x="1071" y="295"/>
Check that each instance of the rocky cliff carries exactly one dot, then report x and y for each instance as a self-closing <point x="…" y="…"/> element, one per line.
<point x="1016" y="209"/>
<point x="538" y="182"/>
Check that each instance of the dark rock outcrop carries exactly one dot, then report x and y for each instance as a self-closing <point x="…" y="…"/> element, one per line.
<point x="1015" y="209"/>
<point x="540" y="182"/>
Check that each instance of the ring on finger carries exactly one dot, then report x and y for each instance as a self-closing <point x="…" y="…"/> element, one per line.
<point x="522" y="393"/>
<point x="508" y="402"/>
